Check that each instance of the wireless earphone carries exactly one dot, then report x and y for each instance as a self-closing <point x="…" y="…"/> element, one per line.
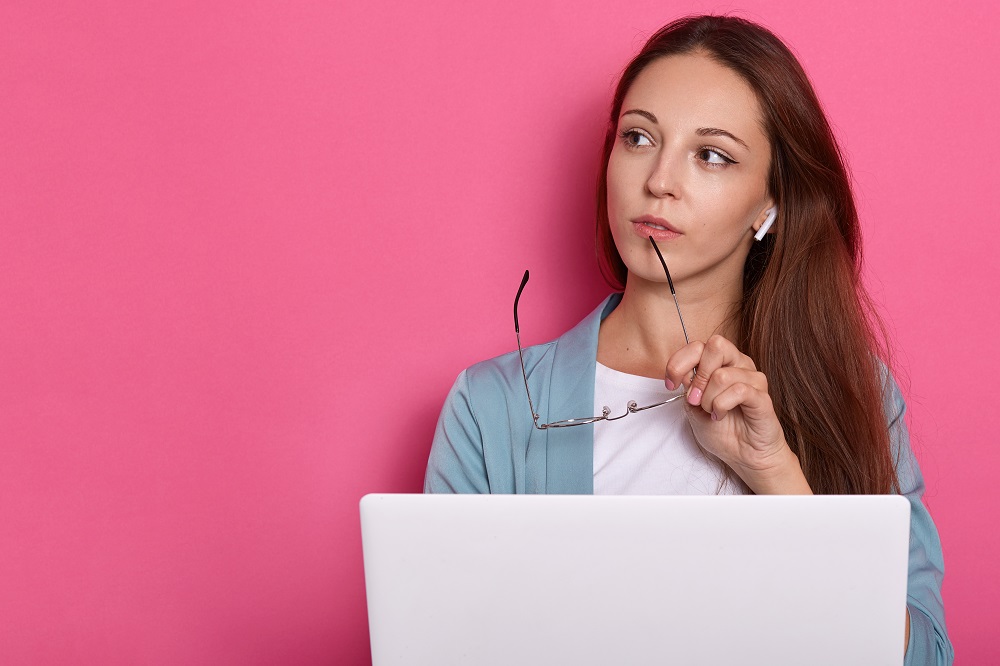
<point x="772" y="213"/>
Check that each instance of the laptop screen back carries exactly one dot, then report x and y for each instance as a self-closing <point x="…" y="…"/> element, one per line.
<point x="472" y="579"/>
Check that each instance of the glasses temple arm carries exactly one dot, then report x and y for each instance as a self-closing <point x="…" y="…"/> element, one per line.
<point x="524" y="281"/>
<point x="672" y="292"/>
<point x="520" y="352"/>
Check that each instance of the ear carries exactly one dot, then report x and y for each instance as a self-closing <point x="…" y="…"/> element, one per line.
<point x="762" y="224"/>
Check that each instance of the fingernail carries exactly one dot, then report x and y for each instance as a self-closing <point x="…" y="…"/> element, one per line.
<point x="694" y="396"/>
<point x="715" y="417"/>
<point x="669" y="384"/>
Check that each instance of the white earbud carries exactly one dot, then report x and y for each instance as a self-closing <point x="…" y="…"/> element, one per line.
<point x="772" y="213"/>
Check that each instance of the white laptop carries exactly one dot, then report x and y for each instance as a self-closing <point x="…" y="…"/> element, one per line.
<point x="550" y="579"/>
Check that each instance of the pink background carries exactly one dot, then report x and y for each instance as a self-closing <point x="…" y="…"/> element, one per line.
<point x="245" y="248"/>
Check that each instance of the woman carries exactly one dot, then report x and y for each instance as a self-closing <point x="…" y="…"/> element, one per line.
<point x="719" y="163"/>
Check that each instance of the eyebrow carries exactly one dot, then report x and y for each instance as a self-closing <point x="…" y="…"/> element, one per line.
<point x="645" y="114"/>
<point x="715" y="131"/>
<point x="701" y="131"/>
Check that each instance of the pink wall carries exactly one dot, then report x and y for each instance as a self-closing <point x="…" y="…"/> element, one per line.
<point x="245" y="249"/>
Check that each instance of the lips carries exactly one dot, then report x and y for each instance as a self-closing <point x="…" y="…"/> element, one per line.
<point x="657" y="227"/>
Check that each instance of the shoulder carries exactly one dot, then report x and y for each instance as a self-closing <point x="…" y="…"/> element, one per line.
<point x="485" y="421"/>
<point x="565" y="353"/>
<point x="908" y="474"/>
<point x="894" y="409"/>
<point x="498" y="374"/>
<point x="893" y="403"/>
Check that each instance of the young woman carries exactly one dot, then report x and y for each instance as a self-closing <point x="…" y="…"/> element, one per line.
<point x="752" y="340"/>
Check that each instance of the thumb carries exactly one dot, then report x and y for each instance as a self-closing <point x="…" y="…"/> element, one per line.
<point x="697" y="387"/>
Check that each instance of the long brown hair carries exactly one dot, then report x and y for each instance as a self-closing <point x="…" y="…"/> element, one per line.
<point x="805" y="317"/>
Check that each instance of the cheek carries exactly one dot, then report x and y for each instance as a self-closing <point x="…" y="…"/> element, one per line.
<point x="726" y="220"/>
<point x="621" y="178"/>
<point x="728" y="211"/>
<point x="614" y="187"/>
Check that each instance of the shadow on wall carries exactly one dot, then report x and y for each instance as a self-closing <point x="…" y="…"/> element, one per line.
<point x="414" y="430"/>
<point x="572" y="244"/>
<point x="568" y="283"/>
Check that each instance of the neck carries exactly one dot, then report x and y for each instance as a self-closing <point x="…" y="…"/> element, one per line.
<point x="644" y="330"/>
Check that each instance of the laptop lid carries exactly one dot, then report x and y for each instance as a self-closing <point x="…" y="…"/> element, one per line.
<point x="755" y="581"/>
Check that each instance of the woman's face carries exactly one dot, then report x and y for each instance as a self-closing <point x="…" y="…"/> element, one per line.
<point x="689" y="168"/>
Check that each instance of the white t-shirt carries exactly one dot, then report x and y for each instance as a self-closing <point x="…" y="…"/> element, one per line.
<point x="653" y="452"/>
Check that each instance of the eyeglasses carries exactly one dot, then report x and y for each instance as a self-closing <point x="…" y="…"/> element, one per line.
<point x="632" y="406"/>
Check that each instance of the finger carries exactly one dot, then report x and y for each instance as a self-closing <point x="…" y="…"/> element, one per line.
<point x="743" y="396"/>
<point x="681" y="364"/>
<point x="727" y="376"/>
<point x="718" y="352"/>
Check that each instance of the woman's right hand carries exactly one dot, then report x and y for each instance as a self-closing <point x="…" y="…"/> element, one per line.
<point x="733" y="417"/>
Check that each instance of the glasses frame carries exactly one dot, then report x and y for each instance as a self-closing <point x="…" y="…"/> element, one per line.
<point x="632" y="407"/>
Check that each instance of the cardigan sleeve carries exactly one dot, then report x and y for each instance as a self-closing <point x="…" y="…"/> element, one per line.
<point x="457" y="463"/>
<point x="929" y="644"/>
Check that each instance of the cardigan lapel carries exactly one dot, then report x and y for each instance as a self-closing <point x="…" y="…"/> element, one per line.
<point x="570" y="451"/>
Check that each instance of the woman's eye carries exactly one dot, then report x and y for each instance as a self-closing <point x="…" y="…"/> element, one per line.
<point x="635" y="139"/>
<point x="712" y="156"/>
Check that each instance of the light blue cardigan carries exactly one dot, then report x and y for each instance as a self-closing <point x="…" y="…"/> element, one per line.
<point x="485" y="443"/>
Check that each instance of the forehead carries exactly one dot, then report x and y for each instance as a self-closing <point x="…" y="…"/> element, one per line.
<point x="689" y="91"/>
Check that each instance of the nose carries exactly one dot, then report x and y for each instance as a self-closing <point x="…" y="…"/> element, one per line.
<point x="665" y="178"/>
